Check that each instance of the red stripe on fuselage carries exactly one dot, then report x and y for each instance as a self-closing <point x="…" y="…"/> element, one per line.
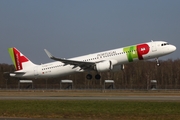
<point x="142" y="49"/>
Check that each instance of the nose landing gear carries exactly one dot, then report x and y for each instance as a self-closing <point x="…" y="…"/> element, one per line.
<point x="157" y="62"/>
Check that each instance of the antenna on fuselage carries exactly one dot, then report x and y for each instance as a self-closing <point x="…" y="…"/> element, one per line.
<point x="152" y="41"/>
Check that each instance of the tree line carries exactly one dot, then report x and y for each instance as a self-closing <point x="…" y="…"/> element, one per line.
<point x="136" y="75"/>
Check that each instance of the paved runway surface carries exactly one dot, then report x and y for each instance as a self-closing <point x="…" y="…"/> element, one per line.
<point x="145" y="98"/>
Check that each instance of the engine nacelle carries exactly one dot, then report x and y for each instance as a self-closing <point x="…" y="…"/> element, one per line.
<point x="104" y="66"/>
<point x="117" y="68"/>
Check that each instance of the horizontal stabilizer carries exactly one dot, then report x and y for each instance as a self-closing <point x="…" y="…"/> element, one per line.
<point x="7" y="74"/>
<point x="19" y="72"/>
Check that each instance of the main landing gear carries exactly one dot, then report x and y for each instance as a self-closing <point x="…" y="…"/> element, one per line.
<point x="89" y="76"/>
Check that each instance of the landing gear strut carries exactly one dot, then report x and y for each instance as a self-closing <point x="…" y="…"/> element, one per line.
<point x="157" y="61"/>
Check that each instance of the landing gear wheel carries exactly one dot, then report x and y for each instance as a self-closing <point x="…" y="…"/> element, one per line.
<point x="158" y="64"/>
<point x="89" y="76"/>
<point x="97" y="76"/>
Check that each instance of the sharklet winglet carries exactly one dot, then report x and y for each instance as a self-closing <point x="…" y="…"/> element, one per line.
<point x="48" y="54"/>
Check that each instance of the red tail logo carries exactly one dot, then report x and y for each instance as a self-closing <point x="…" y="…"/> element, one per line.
<point x="19" y="59"/>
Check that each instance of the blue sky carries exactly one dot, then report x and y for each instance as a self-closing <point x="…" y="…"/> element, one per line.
<point x="69" y="28"/>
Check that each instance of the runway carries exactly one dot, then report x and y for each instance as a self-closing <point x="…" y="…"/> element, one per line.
<point x="139" y="98"/>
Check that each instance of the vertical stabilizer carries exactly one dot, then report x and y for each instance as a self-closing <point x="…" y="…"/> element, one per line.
<point x="19" y="60"/>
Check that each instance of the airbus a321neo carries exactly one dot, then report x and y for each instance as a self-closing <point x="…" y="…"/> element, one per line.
<point x="111" y="60"/>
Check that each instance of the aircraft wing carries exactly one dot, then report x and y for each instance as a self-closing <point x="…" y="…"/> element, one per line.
<point x="83" y="65"/>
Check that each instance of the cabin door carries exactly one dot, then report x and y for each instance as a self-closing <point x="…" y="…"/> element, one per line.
<point x="153" y="45"/>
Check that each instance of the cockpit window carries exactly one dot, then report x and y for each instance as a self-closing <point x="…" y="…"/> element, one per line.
<point x="164" y="44"/>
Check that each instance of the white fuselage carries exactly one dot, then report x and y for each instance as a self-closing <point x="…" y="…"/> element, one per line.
<point x="117" y="56"/>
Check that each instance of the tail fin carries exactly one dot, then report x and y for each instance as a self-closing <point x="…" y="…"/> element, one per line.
<point x="19" y="60"/>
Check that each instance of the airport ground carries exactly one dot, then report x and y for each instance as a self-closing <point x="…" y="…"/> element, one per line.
<point x="89" y="104"/>
<point x="85" y="93"/>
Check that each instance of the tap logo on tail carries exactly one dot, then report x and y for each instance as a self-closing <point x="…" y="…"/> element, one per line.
<point x="17" y="58"/>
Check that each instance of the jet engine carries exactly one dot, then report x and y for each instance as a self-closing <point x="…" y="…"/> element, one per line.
<point x="104" y="66"/>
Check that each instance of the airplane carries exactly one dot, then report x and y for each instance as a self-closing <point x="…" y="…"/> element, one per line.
<point x="111" y="60"/>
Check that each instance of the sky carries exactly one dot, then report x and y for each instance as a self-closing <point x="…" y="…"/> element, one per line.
<point x="70" y="28"/>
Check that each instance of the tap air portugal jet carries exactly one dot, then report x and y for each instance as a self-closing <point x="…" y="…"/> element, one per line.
<point x="111" y="60"/>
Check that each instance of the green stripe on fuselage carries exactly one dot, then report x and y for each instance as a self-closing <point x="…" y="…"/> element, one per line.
<point x="131" y="53"/>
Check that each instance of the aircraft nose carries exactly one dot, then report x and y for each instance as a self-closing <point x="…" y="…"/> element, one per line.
<point x="173" y="48"/>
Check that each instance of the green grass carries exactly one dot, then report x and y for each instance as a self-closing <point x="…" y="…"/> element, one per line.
<point x="97" y="109"/>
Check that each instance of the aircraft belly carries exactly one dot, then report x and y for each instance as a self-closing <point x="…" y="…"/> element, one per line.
<point x="122" y="59"/>
<point x="65" y="70"/>
<point x="58" y="71"/>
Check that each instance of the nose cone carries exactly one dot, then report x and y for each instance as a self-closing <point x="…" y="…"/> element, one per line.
<point x="173" y="48"/>
<point x="169" y="49"/>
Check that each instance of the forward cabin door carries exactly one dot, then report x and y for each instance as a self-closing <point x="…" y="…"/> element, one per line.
<point x="153" y="45"/>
